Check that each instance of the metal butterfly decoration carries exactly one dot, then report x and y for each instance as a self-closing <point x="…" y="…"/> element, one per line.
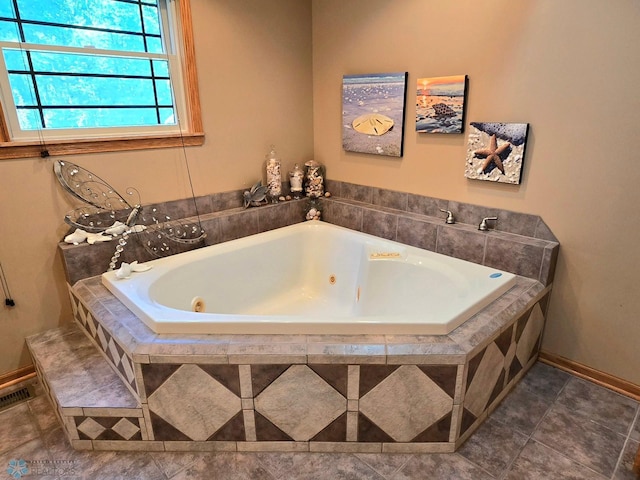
<point x="106" y="211"/>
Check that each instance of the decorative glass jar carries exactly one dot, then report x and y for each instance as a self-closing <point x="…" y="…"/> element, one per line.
<point x="296" y="179"/>
<point x="274" y="177"/>
<point x="314" y="179"/>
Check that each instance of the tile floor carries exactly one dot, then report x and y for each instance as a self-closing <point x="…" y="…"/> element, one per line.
<point x="552" y="426"/>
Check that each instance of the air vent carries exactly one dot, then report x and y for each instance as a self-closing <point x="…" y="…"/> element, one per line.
<point x="18" y="396"/>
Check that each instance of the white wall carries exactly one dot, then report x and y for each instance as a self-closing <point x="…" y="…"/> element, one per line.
<point x="569" y="68"/>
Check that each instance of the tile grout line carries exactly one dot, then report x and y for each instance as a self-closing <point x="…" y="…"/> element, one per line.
<point x="533" y="431"/>
<point x="34" y="423"/>
<point x="604" y="425"/>
<point x="626" y="442"/>
<point x="387" y="477"/>
<point x="479" y="467"/>
<point x="554" y="403"/>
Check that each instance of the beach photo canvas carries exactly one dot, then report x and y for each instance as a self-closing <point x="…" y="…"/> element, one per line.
<point x="373" y="113"/>
<point x="495" y="151"/>
<point x="440" y="103"/>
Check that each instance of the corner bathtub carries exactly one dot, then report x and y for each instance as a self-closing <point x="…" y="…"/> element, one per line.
<point x="312" y="277"/>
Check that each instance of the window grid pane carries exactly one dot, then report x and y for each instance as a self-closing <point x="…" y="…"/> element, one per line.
<point x="70" y="90"/>
<point x="67" y="91"/>
<point x="109" y="24"/>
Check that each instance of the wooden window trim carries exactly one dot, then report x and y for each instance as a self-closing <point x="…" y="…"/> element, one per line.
<point x="193" y="136"/>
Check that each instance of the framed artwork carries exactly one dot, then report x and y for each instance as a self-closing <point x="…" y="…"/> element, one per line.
<point x="440" y="104"/>
<point x="495" y="151"/>
<point x="373" y="113"/>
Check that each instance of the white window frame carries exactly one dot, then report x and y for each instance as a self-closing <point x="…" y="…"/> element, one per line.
<point x="178" y="37"/>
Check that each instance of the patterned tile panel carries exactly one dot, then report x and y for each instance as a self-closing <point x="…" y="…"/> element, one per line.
<point x="113" y="351"/>
<point x="334" y="375"/>
<point x="300" y="403"/>
<point x="263" y="375"/>
<point x="194" y="402"/>
<point x="406" y="403"/>
<point x="268" y="432"/>
<point x="492" y="369"/>
<point x="108" y="428"/>
<point x="485" y="379"/>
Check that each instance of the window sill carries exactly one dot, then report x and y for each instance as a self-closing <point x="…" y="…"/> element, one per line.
<point x="12" y="150"/>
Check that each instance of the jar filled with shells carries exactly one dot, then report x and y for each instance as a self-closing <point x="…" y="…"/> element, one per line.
<point x="314" y="179"/>
<point x="274" y="176"/>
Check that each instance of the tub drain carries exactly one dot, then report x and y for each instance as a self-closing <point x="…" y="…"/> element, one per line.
<point x="198" y="305"/>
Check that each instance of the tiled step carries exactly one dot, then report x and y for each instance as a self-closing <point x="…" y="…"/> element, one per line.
<point x="90" y="400"/>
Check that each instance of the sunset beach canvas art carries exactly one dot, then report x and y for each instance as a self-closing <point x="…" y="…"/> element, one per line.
<point x="373" y="113"/>
<point x="440" y="104"/>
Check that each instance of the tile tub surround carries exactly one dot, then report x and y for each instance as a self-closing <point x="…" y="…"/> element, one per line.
<point x="518" y="243"/>
<point x="500" y="448"/>
<point x="321" y="393"/>
<point x="222" y="218"/>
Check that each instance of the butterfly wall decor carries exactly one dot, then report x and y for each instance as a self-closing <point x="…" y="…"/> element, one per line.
<point x="107" y="211"/>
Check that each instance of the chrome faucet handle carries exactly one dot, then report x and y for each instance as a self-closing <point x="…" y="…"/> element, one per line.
<point x="450" y="218"/>
<point x="483" y="224"/>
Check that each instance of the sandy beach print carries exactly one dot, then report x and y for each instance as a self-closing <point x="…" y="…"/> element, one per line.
<point x="373" y="113"/>
<point x="440" y="104"/>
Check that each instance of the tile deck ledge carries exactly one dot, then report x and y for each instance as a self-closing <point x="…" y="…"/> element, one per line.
<point x="145" y="346"/>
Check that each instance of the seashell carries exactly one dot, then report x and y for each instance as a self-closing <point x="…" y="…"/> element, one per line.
<point x="281" y="198"/>
<point x="288" y="197"/>
<point x="116" y="229"/>
<point x="76" y="237"/>
<point x="313" y="212"/>
<point x="139" y="267"/>
<point x="97" y="237"/>
<point x="124" y="271"/>
<point x="373" y="124"/>
<point x="443" y="110"/>
<point x="327" y="194"/>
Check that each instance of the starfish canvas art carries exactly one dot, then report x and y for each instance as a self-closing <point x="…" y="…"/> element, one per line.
<point x="495" y="151"/>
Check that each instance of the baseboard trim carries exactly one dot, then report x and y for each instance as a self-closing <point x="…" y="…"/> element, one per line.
<point x="17" y="376"/>
<point x="606" y="380"/>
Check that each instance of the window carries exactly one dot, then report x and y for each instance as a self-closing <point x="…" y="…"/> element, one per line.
<point x="99" y="74"/>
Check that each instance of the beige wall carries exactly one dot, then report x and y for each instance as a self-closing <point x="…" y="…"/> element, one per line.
<point x="571" y="69"/>
<point x="255" y="76"/>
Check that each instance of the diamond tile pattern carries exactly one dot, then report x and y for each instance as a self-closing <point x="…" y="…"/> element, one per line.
<point x="406" y="403"/>
<point x="300" y="403"/>
<point x="484" y="380"/>
<point x="125" y="428"/>
<point x="530" y="335"/>
<point x="108" y="428"/>
<point x="194" y="403"/>
<point x="91" y="428"/>
<point x="494" y="367"/>
<point x="116" y="355"/>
